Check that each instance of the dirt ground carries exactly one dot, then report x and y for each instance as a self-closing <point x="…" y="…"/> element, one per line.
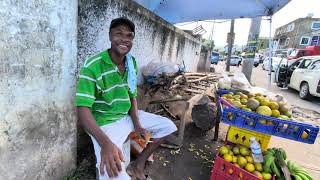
<point x="194" y="161"/>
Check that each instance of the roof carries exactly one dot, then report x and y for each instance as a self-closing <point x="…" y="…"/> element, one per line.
<point x="177" y="11"/>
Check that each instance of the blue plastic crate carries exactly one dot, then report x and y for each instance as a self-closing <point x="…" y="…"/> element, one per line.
<point x="275" y="126"/>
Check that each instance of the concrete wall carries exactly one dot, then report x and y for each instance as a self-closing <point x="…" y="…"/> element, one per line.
<point x="156" y="40"/>
<point x="37" y="69"/>
<point x="39" y="61"/>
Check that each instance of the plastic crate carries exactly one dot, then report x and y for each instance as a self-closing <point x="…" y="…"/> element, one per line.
<point x="275" y="126"/>
<point x="242" y="136"/>
<point x="221" y="171"/>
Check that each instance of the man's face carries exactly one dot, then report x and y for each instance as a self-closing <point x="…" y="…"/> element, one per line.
<point x="121" y="39"/>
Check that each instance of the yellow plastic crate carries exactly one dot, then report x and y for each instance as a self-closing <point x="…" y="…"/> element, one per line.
<point x="242" y="136"/>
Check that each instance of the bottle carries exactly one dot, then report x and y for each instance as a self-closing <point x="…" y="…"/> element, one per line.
<point x="256" y="150"/>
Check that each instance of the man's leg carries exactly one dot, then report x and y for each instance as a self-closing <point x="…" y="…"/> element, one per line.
<point x="118" y="133"/>
<point x="159" y="127"/>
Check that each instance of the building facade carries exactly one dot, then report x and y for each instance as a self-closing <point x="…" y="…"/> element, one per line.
<point x="299" y="33"/>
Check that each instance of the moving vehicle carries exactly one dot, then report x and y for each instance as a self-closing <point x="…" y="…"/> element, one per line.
<point x="302" y="75"/>
<point x="235" y="61"/>
<point x="215" y="56"/>
<point x="276" y="61"/>
<point x="307" y="51"/>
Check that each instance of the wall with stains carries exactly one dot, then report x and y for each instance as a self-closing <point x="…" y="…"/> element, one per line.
<point x="156" y="40"/>
<point x="37" y="68"/>
<point x="42" y="45"/>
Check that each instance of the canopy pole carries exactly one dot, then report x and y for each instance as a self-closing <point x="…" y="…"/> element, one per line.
<point x="270" y="54"/>
<point x="230" y="42"/>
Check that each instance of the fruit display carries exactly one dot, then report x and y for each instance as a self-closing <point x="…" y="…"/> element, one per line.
<point x="256" y="115"/>
<point x="241" y="157"/>
<point x="257" y="112"/>
<point x="260" y="104"/>
<point x="273" y="165"/>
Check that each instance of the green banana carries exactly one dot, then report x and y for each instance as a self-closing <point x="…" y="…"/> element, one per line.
<point x="275" y="169"/>
<point x="271" y="151"/>
<point x="268" y="161"/>
<point x="279" y="159"/>
<point x="289" y="164"/>
<point x="283" y="153"/>
<point x="304" y="175"/>
<point x="297" y="177"/>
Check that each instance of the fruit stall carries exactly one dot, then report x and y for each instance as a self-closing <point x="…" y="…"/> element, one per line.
<point x="258" y="115"/>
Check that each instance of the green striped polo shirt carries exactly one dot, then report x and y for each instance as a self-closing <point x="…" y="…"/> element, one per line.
<point x="103" y="89"/>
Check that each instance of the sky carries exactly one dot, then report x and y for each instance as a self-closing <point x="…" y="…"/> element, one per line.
<point x="292" y="11"/>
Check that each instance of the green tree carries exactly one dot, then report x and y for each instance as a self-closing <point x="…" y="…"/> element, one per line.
<point x="207" y="43"/>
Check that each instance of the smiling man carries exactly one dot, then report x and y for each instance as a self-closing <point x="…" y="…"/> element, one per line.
<point x="107" y="106"/>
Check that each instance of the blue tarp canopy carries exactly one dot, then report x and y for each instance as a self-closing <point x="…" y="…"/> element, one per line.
<point x="177" y="11"/>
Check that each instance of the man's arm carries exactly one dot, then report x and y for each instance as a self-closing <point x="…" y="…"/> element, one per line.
<point x="111" y="155"/>
<point x="133" y="112"/>
<point x="87" y="121"/>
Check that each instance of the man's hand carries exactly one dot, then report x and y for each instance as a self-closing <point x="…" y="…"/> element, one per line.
<point x="111" y="157"/>
<point x="142" y="133"/>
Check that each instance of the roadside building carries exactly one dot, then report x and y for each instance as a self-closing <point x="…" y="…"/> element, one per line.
<point x="299" y="33"/>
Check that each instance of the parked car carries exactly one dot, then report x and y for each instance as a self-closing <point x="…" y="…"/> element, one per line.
<point x="307" y="51"/>
<point x="256" y="60"/>
<point x="276" y="61"/>
<point x="221" y="58"/>
<point x="215" y="56"/>
<point x="302" y="75"/>
<point x="235" y="61"/>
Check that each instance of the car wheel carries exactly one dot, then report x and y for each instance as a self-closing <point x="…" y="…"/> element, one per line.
<point x="239" y="63"/>
<point x="304" y="91"/>
<point x="263" y="67"/>
<point x="256" y="65"/>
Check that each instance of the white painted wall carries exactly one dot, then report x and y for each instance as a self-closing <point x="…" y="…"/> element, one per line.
<point x="156" y="40"/>
<point x="37" y="68"/>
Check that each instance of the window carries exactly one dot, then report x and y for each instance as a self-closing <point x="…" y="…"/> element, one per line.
<point x="290" y="27"/>
<point x="287" y="42"/>
<point x="304" y="40"/>
<point x="315" y="66"/>
<point x="305" y="64"/>
<point x="315" y="25"/>
<point x="315" y="41"/>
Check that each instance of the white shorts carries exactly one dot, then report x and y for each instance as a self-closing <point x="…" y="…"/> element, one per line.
<point x="118" y="133"/>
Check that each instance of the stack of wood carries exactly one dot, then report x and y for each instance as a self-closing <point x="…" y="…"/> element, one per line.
<point x="194" y="82"/>
<point x="182" y="95"/>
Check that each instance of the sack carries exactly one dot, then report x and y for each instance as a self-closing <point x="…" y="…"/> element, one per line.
<point x="137" y="144"/>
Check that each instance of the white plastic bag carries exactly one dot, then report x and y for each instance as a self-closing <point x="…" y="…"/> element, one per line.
<point x="154" y="68"/>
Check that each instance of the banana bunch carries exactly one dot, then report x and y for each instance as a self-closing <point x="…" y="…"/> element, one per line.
<point x="274" y="159"/>
<point x="298" y="172"/>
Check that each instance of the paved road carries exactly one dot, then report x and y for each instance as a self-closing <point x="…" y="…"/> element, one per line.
<point x="306" y="155"/>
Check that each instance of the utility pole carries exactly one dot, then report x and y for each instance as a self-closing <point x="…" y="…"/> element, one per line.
<point x="230" y="40"/>
<point x="254" y="32"/>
